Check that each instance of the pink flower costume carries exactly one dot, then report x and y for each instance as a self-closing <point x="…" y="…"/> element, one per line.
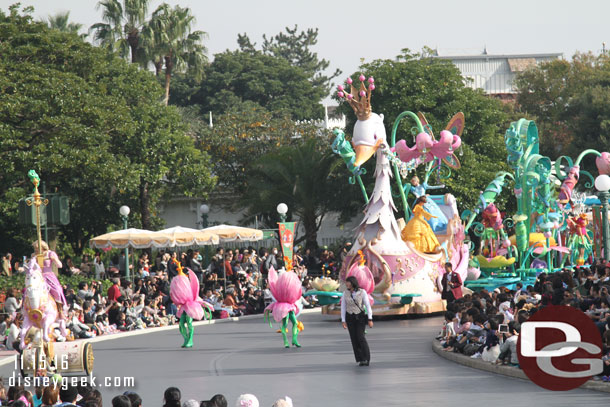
<point x="286" y="289"/>
<point x="184" y="292"/>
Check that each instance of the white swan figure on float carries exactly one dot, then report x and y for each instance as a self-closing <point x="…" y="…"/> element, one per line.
<point x="406" y="280"/>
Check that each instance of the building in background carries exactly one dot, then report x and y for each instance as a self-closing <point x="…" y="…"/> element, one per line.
<point x="495" y="74"/>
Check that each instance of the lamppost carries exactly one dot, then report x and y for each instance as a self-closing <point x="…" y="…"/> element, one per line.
<point x="282" y="210"/>
<point x="602" y="184"/>
<point x="204" y="210"/>
<point x="124" y="211"/>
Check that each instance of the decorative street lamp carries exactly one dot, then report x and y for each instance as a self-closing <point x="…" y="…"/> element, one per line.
<point x="204" y="210"/>
<point x="282" y="210"/>
<point x="602" y="184"/>
<point x="124" y="211"/>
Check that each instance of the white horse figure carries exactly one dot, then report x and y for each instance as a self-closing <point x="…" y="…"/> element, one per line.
<point x="39" y="308"/>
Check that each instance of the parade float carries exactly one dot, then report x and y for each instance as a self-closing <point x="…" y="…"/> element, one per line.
<point x="552" y="228"/>
<point x="43" y="316"/>
<point x="399" y="277"/>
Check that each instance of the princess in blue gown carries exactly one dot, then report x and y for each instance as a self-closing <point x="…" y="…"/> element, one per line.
<point x="439" y="223"/>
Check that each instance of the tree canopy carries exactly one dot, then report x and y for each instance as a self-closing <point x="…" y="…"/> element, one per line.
<point x="94" y="129"/>
<point x="568" y="99"/>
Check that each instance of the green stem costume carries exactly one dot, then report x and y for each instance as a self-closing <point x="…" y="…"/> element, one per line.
<point x="295" y="330"/>
<point x="186" y="329"/>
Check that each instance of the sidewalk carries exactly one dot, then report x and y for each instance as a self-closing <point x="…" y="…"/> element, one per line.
<point x="7" y="357"/>
<point x="503" y="369"/>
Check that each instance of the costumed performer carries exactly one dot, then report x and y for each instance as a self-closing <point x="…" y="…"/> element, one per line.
<point x="418" y="231"/>
<point x="439" y="221"/>
<point x="579" y="239"/>
<point x="184" y="292"/>
<point x="286" y="289"/>
<point x="53" y="284"/>
<point x="356" y="310"/>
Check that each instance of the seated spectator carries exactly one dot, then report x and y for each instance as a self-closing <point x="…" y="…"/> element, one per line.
<point x="171" y="397"/>
<point x="121" y="401"/>
<point x="83" y="291"/>
<point x="248" y="400"/>
<point x="508" y="349"/>
<point x="219" y="401"/>
<point x="284" y="402"/>
<point x="68" y="395"/>
<point x="78" y="328"/>
<point x="134" y="398"/>
<point x="50" y="396"/>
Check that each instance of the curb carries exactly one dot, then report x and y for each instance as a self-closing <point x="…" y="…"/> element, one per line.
<point x="503" y="369"/>
<point x="10" y="359"/>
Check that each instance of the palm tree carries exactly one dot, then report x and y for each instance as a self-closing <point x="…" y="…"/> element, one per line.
<point x="123" y="22"/>
<point x="170" y="42"/>
<point x="60" y="22"/>
<point x="306" y="178"/>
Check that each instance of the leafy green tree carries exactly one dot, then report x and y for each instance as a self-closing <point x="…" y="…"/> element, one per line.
<point x="295" y="47"/>
<point x="308" y="178"/>
<point x="547" y="93"/>
<point x="122" y="26"/>
<point x="92" y="127"/>
<point x="436" y="88"/>
<point x="61" y="22"/>
<point x="170" y="42"/>
<point x="241" y="135"/>
<point x="271" y="82"/>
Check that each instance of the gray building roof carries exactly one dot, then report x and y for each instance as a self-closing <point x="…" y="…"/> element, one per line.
<point x="495" y="74"/>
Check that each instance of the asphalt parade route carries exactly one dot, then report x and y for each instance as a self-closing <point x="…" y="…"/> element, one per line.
<point x="247" y="356"/>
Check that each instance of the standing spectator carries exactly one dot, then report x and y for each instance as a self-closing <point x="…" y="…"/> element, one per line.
<point x="195" y="265"/>
<point x="114" y="292"/>
<point x="228" y="269"/>
<point x="271" y="260"/>
<point x="143" y="265"/>
<point x="85" y="265"/>
<point x="172" y="265"/>
<point x="11" y="304"/>
<point x="7" y="265"/>
<point x="12" y="339"/>
<point x="98" y="266"/>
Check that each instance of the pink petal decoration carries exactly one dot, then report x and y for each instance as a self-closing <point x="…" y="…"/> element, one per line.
<point x="603" y="163"/>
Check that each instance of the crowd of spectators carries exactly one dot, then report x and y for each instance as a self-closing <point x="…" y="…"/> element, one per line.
<point x="62" y="394"/>
<point x="233" y="282"/>
<point x="486" y="324"/>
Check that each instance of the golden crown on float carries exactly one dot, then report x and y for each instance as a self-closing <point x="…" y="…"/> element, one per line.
<point x="359" y="99"/>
